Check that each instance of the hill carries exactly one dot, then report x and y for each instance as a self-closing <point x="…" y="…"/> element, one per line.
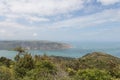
<point x="94" y="60"/>
<point x="100" y="56"/>
<point x="100" y="60"/>
<point x="33" y="45"/>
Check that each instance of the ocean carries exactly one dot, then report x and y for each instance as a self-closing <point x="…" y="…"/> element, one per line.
<point x="79" y="49"/>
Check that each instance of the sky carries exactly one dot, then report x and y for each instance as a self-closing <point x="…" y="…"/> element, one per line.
<point x="60" y="20"/>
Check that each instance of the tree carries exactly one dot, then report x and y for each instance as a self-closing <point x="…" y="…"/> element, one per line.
<point x="17" y="57"/>
<point x="20" y="50"/>
<point x="24" y="64"/>
<point x="5" y="61"/>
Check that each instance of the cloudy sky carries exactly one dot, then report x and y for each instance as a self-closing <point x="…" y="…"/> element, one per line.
<point x="60" y="20"/>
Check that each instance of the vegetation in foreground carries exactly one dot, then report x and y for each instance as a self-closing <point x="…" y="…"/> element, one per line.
<point x="94" y="66"/>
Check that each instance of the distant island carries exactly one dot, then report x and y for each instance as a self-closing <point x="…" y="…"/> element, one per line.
<point x="34" y="45"/>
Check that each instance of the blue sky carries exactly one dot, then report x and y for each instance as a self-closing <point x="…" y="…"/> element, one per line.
<point x="60" y="20"/>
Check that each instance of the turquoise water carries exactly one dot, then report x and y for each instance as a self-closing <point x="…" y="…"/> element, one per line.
<point x="78" y="50"/>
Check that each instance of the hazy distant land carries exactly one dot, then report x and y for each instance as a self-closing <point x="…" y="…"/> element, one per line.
<point x="33" y="45"/>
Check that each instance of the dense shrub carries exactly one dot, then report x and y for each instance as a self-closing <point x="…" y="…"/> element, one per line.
<point x="6" y="73"/>
<point x="92" y="74"/>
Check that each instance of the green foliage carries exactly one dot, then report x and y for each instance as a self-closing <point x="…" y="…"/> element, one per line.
<point x="71" y="72"/>
<point x="74" y="64"/>
<point x="5" y="61"/>
<point x="23" y="64"/>
<point x="115" y="71"/>
<point x="43" y="70"/>
<point x="6" y="73"/>
<point x="45" y="64"/>
<point x="20" y="50"/>
<point x="17" y="57"/>
<point x="92" y="74"/>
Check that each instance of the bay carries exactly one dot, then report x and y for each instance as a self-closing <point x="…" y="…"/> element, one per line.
<point x="79" y="49"/>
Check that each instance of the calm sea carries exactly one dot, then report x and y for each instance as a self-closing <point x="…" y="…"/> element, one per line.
<point x="79" y="49"/>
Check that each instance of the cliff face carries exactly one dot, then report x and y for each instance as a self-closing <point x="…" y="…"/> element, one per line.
<point x="33" y="45"/>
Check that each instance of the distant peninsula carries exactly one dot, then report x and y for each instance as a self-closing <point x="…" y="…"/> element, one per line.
<point x="34" y="45"/>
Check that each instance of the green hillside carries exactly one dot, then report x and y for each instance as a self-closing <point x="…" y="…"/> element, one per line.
<point x="100" y="60"/>
<point x="93" y="66"/>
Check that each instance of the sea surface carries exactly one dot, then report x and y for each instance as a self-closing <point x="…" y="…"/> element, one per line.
<point x="79" y="49"/>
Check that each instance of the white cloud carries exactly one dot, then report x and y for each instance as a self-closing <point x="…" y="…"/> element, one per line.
<point x="41" y="7"/>
<point x="12" y="16"/>
<point x="44" y="11"/>
<point x="37" y="19"/>
<point x="35" y="34"/>
<point x="106" y="16"/>
<point x="108" y="2"/>
<point x="2" y="31"/>
<point x="12" y="25"/>
<point x="29" y="18"/>
<point x="2" y="7"/>
<point x="31" y="9"/>
<point x="14" y="30"/>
